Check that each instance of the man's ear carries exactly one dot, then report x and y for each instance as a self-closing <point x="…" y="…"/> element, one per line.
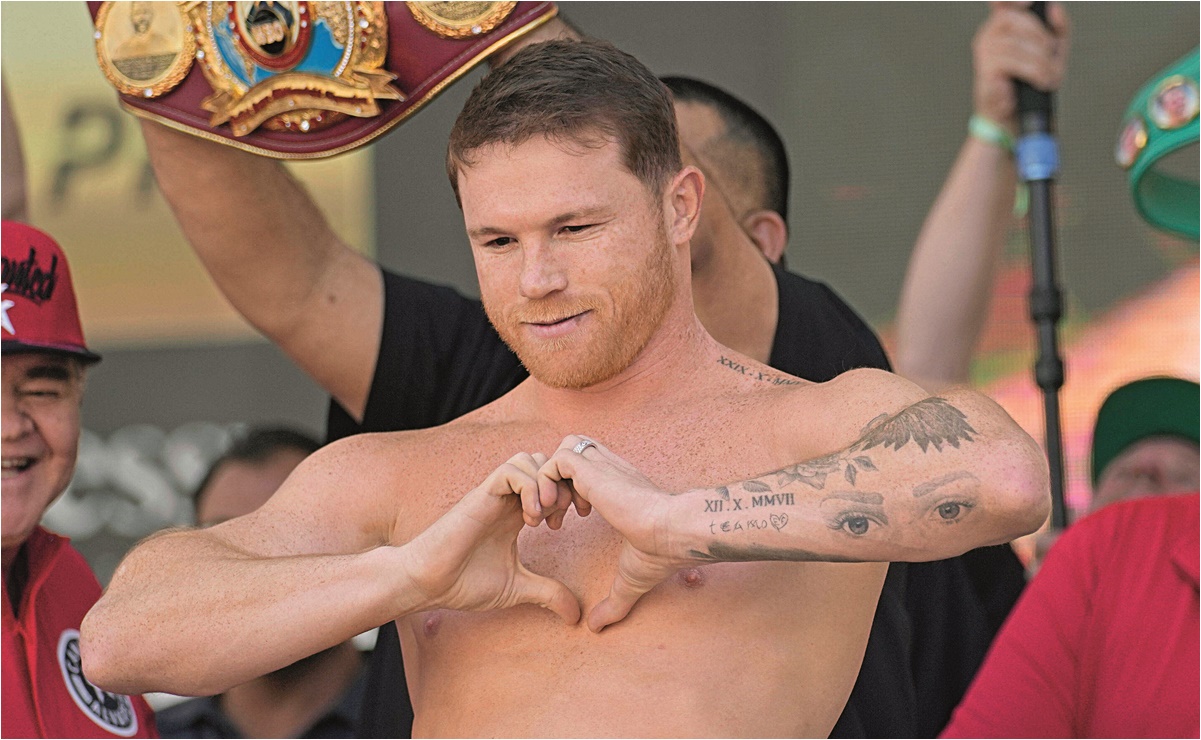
<point x="769" y="232"/>
<point x="684" y="198"/>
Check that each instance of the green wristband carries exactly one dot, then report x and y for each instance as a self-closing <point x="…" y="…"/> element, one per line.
<point x="990" y="132"/>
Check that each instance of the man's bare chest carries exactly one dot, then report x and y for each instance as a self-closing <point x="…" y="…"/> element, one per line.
<point x="677" y="452"/>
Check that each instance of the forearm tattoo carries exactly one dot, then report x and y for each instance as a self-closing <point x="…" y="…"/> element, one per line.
<point x="758" y="504"/>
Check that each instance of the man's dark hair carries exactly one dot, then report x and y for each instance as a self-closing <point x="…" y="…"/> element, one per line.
<point x="745" y="128"/>
<point x="581" y="92"/>
<point x="257" y="446"/>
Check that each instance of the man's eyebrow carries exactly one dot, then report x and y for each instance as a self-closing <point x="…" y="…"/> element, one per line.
<point x="931" y="486"/>
<point x="49" y="371"/>
<point x="581" y="215"/>
<point x="485" y="231"/>
<point x="875" y="499"/>
<point x="564" y="218"/>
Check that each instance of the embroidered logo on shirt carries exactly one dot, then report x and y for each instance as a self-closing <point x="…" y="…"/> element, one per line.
<point x="113" y="712"/>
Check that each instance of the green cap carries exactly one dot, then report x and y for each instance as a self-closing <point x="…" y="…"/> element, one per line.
<point x="1161" y="119"/>
<point x="1149" y="407"/>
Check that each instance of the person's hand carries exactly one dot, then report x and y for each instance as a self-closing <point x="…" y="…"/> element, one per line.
<point x="468" y="559"/>
<point x="635" y="507"/>
<point x="1014" y="44"/>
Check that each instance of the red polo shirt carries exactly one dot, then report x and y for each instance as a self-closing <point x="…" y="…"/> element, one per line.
<point x="1104" y="641"/>
<point x="44" y="692"/>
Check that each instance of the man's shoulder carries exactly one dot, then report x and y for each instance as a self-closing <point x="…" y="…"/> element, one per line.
<point x="818" y="335"/>
<point x="489" y="419"/>
<point x="1140" y="524"/>
<point x="869" y="382"/>
<point x="865" y="390"/>
<point x="393" y="279"/>
<point x="416" y="310"/>
<point x="814" y="294"/>
<point x="403" y="480"/>
<point x="855" y="383"/>
<point x="834" y="413"/>
<point x="1153" y="508"/>
<point x="405" y="293"/>
<point x="438" y="358"/>
<point x="1125" y="546"/>
<point x="54" y="553"/>
<point x="381" y="447"/>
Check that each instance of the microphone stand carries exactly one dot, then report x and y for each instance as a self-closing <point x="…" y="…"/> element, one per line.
<point x="1037" y="165"/>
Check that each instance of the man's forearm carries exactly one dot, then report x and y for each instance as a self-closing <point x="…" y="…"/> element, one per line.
<point x="943" y="476"/>
<point x="948" y="285"/>
<point x="189" y="614"/>
<point x="275" y="258"/>
<point x="252" y="225"/>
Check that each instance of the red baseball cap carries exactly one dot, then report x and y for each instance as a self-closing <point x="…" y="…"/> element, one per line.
<point x="38" y="312"/>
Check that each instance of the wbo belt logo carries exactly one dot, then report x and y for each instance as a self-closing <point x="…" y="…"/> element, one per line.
<point x="113" y="712"/>
<point x="293" y="66"/>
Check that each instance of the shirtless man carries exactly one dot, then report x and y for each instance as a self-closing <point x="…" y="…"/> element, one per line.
<point x="579" y="213"/>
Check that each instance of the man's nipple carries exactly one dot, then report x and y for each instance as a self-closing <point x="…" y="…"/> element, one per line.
<point x="690" y="578"/>
<point x="431" y="624"/>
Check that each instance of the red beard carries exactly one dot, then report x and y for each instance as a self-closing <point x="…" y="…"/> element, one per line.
<point x="617" y="330"/>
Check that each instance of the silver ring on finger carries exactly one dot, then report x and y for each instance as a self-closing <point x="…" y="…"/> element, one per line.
<point x="582" y="445"/>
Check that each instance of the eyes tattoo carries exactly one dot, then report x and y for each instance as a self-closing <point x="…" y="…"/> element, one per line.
<point x="857" y="520"/>
<point x="949" y="509"/>
<point x="932" y="422"/>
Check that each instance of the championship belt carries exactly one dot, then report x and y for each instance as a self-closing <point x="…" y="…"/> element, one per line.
<point x="1162" y="120"/>
<point x="296" y="80"/>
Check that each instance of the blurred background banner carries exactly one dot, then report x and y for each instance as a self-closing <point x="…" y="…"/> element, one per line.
<point x="872" y="99"/>
<point x="92" y="188"/>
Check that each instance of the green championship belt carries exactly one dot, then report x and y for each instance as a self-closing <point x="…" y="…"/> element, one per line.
<point x="1162" y="119"/>
<point x="296" y="80"/>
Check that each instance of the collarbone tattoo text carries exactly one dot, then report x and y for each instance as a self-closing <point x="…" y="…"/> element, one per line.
<point x="754" y="374"/>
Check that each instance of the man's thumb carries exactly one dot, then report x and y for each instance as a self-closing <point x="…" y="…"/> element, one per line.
<point x="549" y="594"/>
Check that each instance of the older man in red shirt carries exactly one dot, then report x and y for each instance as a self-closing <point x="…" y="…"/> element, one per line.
<point x="1104" y="641"/>
<point x="48" y="585"/>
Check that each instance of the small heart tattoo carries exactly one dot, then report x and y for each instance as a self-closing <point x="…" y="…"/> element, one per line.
<point x="779" y="521"/>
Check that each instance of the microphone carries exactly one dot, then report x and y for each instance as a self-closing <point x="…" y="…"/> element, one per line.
<point x="1034" y="105"/>
<point x="1038" y="159"/>
<point x="1037" y="164"/>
